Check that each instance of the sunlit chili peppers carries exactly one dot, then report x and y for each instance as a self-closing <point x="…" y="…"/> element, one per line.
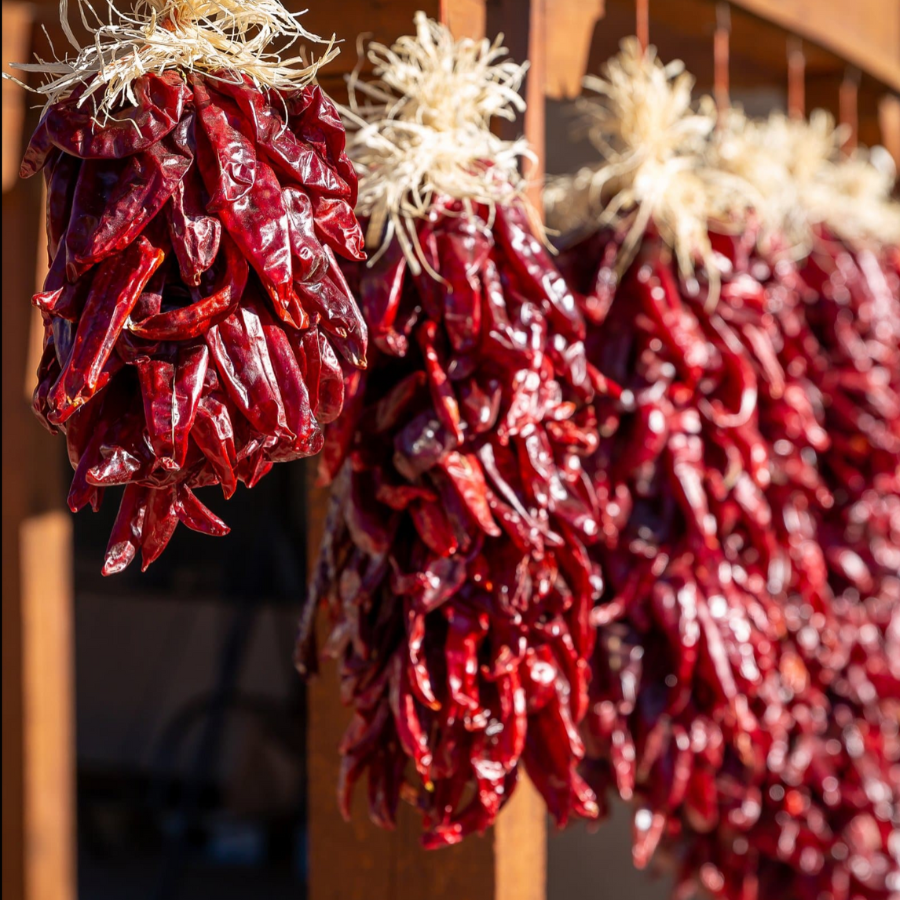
<point x="742" y="698"/>
<point x="747" y="710"/>
<point x="195" y="316"/>
<point x="454" y="566"/>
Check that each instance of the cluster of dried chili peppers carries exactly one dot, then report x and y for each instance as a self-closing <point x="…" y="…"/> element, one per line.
<point x="744" y="705"/>
<point x="196" y="319"/>
<point x="454" y="565"/>
<point x="744" y="692"/>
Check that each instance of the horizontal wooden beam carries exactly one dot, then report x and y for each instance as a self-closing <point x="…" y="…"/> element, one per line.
<point x="865" y="33"/>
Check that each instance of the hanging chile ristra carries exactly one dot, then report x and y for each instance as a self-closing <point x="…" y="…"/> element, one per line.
<point x="196" y="321"/>
<point x="454" y="566"/>
<point x="711" y="707"/>
<point x="831" y="804"/>
<point x="687" y="619"/>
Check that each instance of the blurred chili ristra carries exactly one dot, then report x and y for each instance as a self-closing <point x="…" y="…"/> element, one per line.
<point x="743" y="694"/>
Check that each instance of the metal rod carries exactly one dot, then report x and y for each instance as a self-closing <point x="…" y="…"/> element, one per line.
<point x="848" y="102"/>
<point x="642" y="23"/>
<point x="721" y="50"/>
<point x="796" y="99"/>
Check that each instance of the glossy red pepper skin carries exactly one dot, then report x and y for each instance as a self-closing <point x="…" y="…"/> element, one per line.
<point x="441" y="572"/>
<point x="114" y="291"/>
<point x="178" y="352"/>
<point x="195" y="235"/>
<point x="70" y="127"/>
<point x="195" y="319"/>
<point x="115" y="199"/>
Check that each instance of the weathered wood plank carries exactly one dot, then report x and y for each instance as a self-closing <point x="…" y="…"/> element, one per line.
<point x="49" y="701"/>
<point x="38" y="740"/>
<point x="570" y="29"/>
<point x="17" y="29"/>
<point x="889" y="120"/>
<point x="865" y="33"/>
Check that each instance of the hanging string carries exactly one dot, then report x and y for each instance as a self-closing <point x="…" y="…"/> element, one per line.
<point x="848" y="102"/>
<point x="796" y="99"/>
<point x="721" y="49"/>
<point x="642" y="23"/>
<point x="534" y="167"/>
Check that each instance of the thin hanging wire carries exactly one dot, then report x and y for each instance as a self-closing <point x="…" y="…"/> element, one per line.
<point x="848" y="103"/>
<point x="796" y="99"/>
<point x="642" y="23"/>
<point x="721" y="54"/>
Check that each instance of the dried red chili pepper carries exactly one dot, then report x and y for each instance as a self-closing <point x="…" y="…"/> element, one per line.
<point x="190" y="308"/>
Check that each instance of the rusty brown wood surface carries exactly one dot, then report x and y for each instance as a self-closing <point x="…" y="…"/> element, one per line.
<point x="38" y="740"/>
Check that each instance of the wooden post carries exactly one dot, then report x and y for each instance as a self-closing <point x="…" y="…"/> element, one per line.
<point x="48" y="672"/>
<point x="642" y="22"/>
<point x="357" y="860"/>
<point x="535" y="116"/>
<point x="721" y="41"/>
<point x="889" y="121"/>
<point x="38" y="739"/>
<point x="523" y="24"/>
<point x="17" y="24"/>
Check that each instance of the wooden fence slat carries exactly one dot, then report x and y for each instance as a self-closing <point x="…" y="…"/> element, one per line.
<point x="38" y="696"/>
<point x="889" y="121"/>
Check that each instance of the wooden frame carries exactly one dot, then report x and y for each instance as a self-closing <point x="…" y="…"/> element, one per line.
<point x="347" y="860"/>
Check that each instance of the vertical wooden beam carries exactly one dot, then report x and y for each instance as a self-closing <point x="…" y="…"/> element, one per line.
<point x="16" y="45"/>
<point x="48" y="697"/>
<point x="535" y="115"/>
<point x="642" y="22"/>
<point x="38" y="742"/>
<point x="848" y="105"/>
<point x="523" y="24"/>
<point x="17" y="25"/>
<point x="721" y="52"/>
<point x="889" y="121"/>
<point x="520" y="846"/>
